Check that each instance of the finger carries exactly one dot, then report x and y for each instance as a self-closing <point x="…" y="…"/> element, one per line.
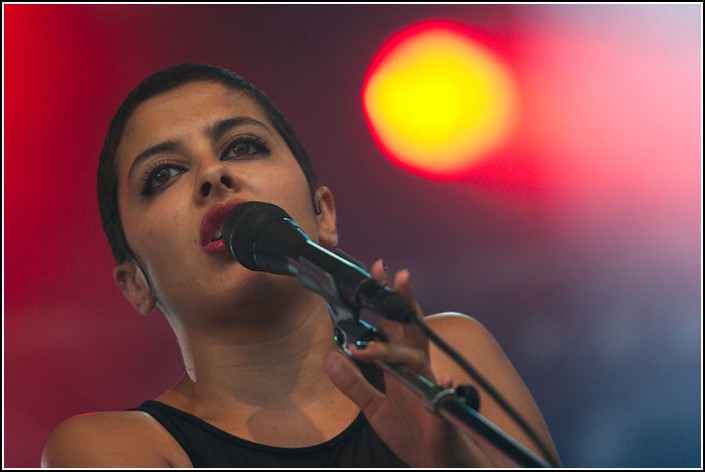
<point x="391" y="329"/>
<point x="390" y="353"/>
<point x="403" y="286"/>
<point x="349" y="380"/>
<point x="446" y="381"/>
<point x="397" y="332"/>
<point x="379" y="271"/>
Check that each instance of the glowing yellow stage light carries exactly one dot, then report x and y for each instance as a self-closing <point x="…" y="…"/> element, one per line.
<point x="436" y="101"/>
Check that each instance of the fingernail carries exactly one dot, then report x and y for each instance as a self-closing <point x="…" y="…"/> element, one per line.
<point x="408" y="275"/>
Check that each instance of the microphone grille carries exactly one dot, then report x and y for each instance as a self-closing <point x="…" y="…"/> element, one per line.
<point x="244" y="225"/>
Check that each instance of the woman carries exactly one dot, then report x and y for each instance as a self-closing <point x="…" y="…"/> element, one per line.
<point x="264" y="384"/>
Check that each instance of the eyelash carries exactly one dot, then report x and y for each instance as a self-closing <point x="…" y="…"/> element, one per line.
<point x="150" y="187"/>
<point x="249" y="139"/>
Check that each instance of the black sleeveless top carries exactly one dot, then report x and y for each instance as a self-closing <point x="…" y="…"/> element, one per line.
<point x="207" y="446"/>
<point x="358" y="446"/>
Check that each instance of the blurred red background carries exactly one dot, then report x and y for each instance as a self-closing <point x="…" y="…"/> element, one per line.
<point x="578" y="243"/>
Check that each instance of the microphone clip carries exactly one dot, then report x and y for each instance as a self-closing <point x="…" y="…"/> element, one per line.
<point x="348" y="327"/>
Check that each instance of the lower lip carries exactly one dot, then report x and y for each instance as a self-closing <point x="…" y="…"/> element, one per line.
<point x="216" y="247"/>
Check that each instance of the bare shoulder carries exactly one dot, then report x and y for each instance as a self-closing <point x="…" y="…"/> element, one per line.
<point x="472" y="340"/>
<point x="466" y="333"/>
<point x="479" y="347"/>
<point x="112" y="439"/>
<point x="453" y="320"/>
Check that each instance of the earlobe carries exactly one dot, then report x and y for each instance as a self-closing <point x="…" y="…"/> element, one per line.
<point x="326" y="219"/>
<point x="133" y="285"/>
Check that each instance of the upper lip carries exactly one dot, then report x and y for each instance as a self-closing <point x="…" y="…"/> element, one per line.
<point x="214" y="217"/>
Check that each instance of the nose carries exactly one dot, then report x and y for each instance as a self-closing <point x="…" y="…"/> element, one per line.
<point x="215" y="180"/>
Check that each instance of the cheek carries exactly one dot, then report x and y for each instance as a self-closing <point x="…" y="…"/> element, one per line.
<point x="293" y="195"/>
<point x="159" y="234"/>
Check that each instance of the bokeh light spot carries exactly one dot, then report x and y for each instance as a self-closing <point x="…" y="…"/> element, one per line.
<point x="436" y="100"/>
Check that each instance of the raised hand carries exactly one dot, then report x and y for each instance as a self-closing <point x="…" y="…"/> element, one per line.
<point x="399" y="416"/>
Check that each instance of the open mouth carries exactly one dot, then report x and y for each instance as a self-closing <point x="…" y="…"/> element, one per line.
<point x="211" y="226"/>
<point x="218" y="234"/>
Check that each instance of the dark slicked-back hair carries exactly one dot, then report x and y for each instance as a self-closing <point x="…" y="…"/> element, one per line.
<point x="158" y="83"/>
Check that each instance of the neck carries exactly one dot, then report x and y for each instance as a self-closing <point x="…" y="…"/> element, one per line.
<point x="270" y="359"/>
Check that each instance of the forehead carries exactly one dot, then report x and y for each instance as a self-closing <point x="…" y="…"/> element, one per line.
<point x="184" y="110"/>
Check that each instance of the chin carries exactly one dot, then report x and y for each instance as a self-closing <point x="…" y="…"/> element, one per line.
<point x="255" y="291"/>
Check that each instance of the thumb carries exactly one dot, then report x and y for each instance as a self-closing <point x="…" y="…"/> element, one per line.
<point x="349" y="380"/>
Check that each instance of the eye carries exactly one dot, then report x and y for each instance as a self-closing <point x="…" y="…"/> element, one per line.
<point x="244" y="146"/>
<point x="159" y="175"/>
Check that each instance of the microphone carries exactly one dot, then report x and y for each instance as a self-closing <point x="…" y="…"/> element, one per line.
<point x="263" y="237"/>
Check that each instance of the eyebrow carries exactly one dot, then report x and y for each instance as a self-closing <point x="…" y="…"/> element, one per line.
<point x="214" y="131"/>
<point x="170" y="145"/>
<point x="217" y="130"/>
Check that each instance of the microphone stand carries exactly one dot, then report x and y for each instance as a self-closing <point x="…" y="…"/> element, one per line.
<point x="457" y="406"/>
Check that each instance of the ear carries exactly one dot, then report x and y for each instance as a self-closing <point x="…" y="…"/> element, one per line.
<point x="134" y="286"/>
<point x="327" y="229"/>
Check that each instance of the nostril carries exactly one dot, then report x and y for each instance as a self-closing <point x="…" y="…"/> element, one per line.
<point x="225" y="180"/>
<point x="206" y="189"/>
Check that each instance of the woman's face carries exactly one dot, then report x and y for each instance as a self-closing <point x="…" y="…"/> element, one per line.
<point x="184" y="152"/>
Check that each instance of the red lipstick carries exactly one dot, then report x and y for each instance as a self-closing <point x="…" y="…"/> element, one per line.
<point x="211" y="241"/>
